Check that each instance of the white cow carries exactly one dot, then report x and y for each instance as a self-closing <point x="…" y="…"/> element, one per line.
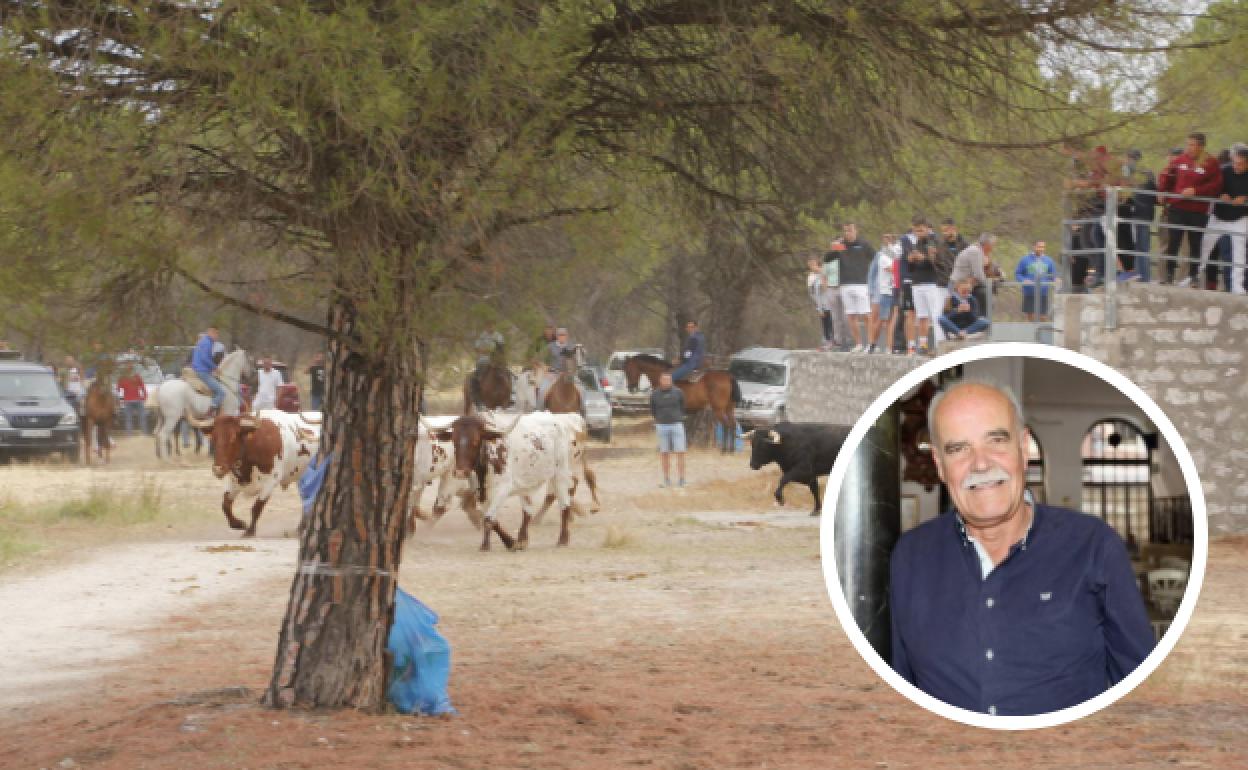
<point x="532" y="454"/>
<point x="256" y="455"/>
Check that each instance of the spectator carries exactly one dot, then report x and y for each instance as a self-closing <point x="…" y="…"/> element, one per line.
<point x="693" y="353"/>
<point x="267" y="380"/>
<point x="886" y="290"/>
<point x="905" y="303"/>
<point x="836" y="309"/>
<point x="1194" y="173"/>
<point x="667" y="407"/>
<point x="316" y="379"/>
<point x="951" y="245"/>
<point x="1230" y="215"/>
<point x="963" y="320"/>
<point x="133" y="399"/>
<point x="817" y="289"/>
<point x="972" y="262"/>
<point x="929" y="298"/>
<point x="1038" y="274"/>
<point x="1143" y="209"/>
<point x="856" y="256"/>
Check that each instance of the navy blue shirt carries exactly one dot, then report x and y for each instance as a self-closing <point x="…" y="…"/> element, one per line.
<point x="1057" y="622"/>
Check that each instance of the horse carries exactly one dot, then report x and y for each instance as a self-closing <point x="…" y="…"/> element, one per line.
<point x="99" y="408"/>
<point x="716" y="390"/>
<point x="563" y="396"/>
<point x="178" y="400"/>
<point x="493" y="387"/>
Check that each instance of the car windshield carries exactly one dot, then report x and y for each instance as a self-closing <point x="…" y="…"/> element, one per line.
<point x="617" y="363"/>
<point x="588" y="379"/>
<point x="28" y="385"/>
<point x="758" y="371"/>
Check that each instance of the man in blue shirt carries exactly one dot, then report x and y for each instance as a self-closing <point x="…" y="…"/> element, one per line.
<point x="1037" y="273"/>
<point x="204" y="365"/>
<point x="694" y="352"/>
<point x="1001" y="606"/>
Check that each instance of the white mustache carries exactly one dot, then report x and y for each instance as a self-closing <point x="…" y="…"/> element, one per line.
<point x="992" y="476"/>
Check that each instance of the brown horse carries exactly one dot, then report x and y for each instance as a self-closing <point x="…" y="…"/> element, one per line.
<point x="98" y="410"/>
<point x="716" y="390"/>
<point x="563" y="396"/>
<point x="493" y="388"/>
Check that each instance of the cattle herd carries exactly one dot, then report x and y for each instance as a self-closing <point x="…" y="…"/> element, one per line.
<point x="483" y="460"/>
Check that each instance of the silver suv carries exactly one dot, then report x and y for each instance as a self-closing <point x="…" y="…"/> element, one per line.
<point x="763" y="374"/>
<point x="35" y="418"/>
<point x="621" y="399"/>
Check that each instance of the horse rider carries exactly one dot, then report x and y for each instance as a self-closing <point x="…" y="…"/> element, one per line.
<point x="558" y="353"/>
<point x="205" y="366"/>
<point x="694" y="352"/>
<point x="541" y="348"/>
<point x="490" y="349"/>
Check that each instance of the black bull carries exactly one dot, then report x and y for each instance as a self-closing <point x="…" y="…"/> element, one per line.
<point x="804" y="452"/>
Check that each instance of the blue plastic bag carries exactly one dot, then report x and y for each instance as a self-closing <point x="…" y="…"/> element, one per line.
<point x="422" y="659"/>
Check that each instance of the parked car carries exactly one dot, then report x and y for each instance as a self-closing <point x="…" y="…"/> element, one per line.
<point x="35" y="418"/>
<point x="621" y="399"/>
<point x="598" y="410"/>
<point x="763" y="374"/>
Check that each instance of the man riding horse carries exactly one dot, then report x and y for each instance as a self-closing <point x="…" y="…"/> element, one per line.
<point x="205" y="365"/>
<point x="491" y="352"/>
<point x="693" y="353"/>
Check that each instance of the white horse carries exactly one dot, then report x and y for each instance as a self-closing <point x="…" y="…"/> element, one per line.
<point x="178" y="400"/>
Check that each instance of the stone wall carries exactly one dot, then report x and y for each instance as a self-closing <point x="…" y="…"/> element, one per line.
<point x="1186" y="349"/>
<point x="837" y="388"/>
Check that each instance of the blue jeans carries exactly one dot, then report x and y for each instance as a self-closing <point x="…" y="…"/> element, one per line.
<point x="683" y="371"/>
<point x="135" y="412"/>
<point x="317" y="399"/>
<point x="951" y="329"/>
<point x="1143" y="242"/>
<point x="218" y="390"/>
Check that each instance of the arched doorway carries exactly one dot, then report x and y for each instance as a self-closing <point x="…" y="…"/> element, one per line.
<point x="1035" y="469"/>
<point x="1117" y="477"/>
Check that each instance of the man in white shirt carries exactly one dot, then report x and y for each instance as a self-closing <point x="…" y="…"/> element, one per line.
<point x="267" y="380"/>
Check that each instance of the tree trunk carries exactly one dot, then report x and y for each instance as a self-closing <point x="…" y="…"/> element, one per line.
<point x="331" y="651"/>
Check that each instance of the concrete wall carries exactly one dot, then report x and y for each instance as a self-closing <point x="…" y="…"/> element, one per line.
<point x="1186" y="349"/>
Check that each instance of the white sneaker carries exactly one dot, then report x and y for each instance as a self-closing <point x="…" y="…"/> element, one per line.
<point x="1183" y="284"/>
<point x="857" y="349"/>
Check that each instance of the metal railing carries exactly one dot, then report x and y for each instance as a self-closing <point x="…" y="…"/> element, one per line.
<point x="1097" y="234"/>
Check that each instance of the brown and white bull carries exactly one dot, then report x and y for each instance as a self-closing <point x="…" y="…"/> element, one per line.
<point x="435" y="461"/>
<point x="533" y="454"/>
<point x="256" y="455"/>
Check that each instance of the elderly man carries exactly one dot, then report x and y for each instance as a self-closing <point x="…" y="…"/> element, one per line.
<point x="1003" y="606"/>
<point x="971" y="263"/>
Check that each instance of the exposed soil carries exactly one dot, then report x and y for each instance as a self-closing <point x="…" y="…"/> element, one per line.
<point x="681" y="629"/>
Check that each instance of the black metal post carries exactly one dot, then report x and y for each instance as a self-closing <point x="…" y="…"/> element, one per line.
<point x="868" y="523"/>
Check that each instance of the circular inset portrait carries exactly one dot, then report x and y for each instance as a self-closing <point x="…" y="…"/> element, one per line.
<point x="1015" y="535"/>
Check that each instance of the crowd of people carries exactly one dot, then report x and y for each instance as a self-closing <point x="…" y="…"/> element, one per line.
<point x="1203" y="199"/>
<point x="933" y="281"/>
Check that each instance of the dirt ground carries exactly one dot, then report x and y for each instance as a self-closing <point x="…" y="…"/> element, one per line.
<point x="681" y="629"/>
